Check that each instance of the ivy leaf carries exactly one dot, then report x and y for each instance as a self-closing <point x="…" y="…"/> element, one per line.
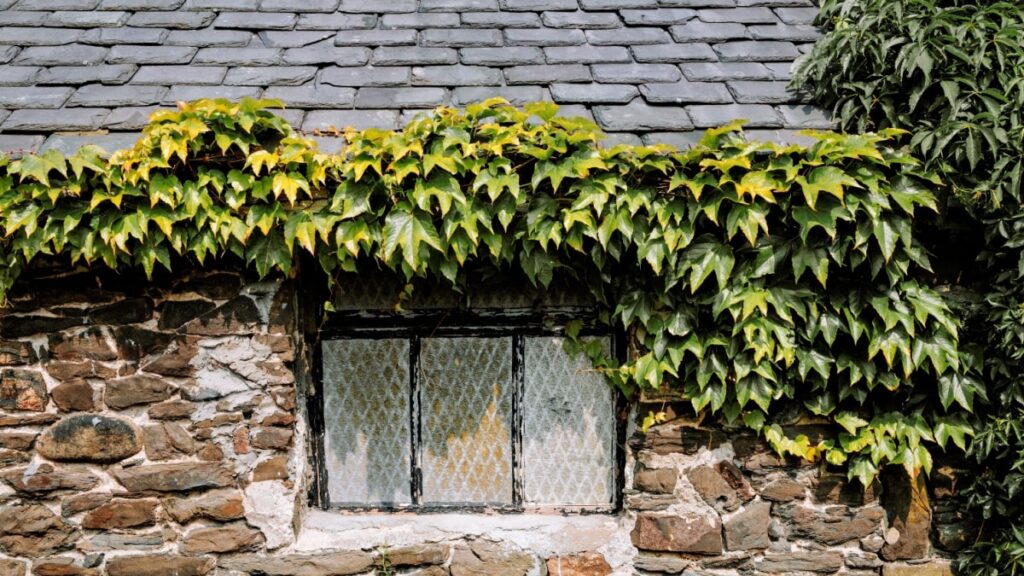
<point x="707" y="258"/>
<point x="267" y="253"/>
<point x="406" y="231"/>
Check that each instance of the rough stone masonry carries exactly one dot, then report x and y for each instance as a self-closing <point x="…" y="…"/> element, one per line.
<point x="154" y="429"/>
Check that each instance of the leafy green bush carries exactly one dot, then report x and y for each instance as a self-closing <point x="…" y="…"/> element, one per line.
<point x="764" y="282"/>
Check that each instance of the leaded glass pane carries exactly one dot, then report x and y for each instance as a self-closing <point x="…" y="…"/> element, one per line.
<point x="367" y="440"/>
<point x="466" y="403"/>
<point x="568" y="428"/>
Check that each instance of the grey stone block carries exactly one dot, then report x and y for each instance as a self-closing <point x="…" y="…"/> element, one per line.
<point x="780" y="70"/>
<point x="130" y="117"/>
<point x="713" y="115"/>
<point x="55" y="120"/>
<point x="455" y="76"/>
<point x="639" y="116"/>
<point x="420" y="20"/>
<point x="690" y="52"/>
<point x="586" y="54"/>
<point x="222" y="5"/>
<point x="19" y="75"/>
<point x="400" y="97"/>
<point x="581" y="20"/>
<point x="686" y="92"/>
<point x="617" y="4"/>
<point x="293" y="38"/>
<point x="659" y="17"/>
<point x="697" y="3"/>
<point x="7" y="53"/>
<point x="500" y="20"/>
<point x="723" y="71"/>
<point x="635" y="73"/>
<point x="460" y="38"/>
<point x="336" y="22"/>
<point x="791" y="32"/>
<point x="68" y="144"/>
<point x="628" y="36"/>
<point x="34" y="97"/>
<point x="698" y="31"/>
<point x="269" y="75"/>
<point x="22" y="18"/>
<point x="256" y="20"/>
<point x="312" y="96"/>
<point x="179" y="20"/>
<point x="738" y="15"/>
<point x="616" y="138"/>
<point x="680" y="140"/>
<point x="747" y="92"/>
<point x="327" y="52"/>
<point x="805" y="116"/>
<point x="25" y="36"/>
<point x="89" y="19"/>
<point x="188" y="92"/>
<point x="329" y="144"/>
<point x="375" y="37"/>
<point x="69" y="55"/>
<point x="17" y="145"/>
<point x="593" y="93"/>
<point x="544" y="37"/>
<point x="209" y="37"/>
<point x="140" y="5"/>
<point x="56" y="4"/>
<point x="169" y="75"/>
<point x="365" y="76"/>
<point x="783" y="137"/>
<point x="376" y="6"/>
<point x="548" y="73"/>
<point x="459" y="5"/>
<point x="128" y="54"/>
<point x="239" y="56"/>
<point x="756" y="51"/>
<point x="413" y="55"/>
<point x="797" y="15"/>
<point x="502" y="56"/>
<point x="517" y="95"/>
<point x="100" y="96"/>
<point x="325" y="6"/>
<point x="112" y="36"/>
<point x="326" y="120"/>
<point x="538" y="5"/>
<point x="105" y="74"/>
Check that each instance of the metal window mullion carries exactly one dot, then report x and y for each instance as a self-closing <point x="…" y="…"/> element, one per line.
<point x="416" y="422"/>
<point x="518" y="390"/>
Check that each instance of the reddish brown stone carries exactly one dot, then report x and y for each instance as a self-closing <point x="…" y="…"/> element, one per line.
<point x="89" y="344"/>
<point x="832" y="527"/>
<point x="906" y="501"/>
<point x="166" y="440"/>
<point x="176" y="360"/>
<point x="693" y="534"/>
<point x="26" y="419"/>
<point x="14" y="353"/>
<point x="220" y="420"/>
<point x="332" y="563"/>
<point x="17" y="440"/>
<point x="8" y="457"/>
<point x="73" y="396"/>
<point x="657" y="481"/>
<point x="68" y="370"/>
<point x="275" y="468"/>
<point x="240" y="440"/>
<point x="121" y="514"/>
<point x="237" y="316"/>
<point x="172" y="410"/>
<point x="280" y="345"/>
<point x="135" y="390"/>
<point x="586" y="564"/>
<point x="272" y="438"/>
<point x="174" y="477"/>
<point x="227" y="538"/>
<point x="159" y="565"/>
<point x="278" y="419"/>
<point x="22" y="390"/>
<point x="933" y="568"/>
<point x="482" y="558"/>
<point x="61" y="567"/>
<point x="33" y="531"/>
<point x="11" y="567"/>
<point x="89" y="438"/>
<point x="83" y="502"/>
<point x="44" y="478"/>
<point x="748" y="530"/>
<point x="419" y="555"/>
<point x="219" y="505"/>
<point x="713" y="488"/>
<point x="784" y="490"/>
<point x="284" y="397"/>
<point x="210" y="452"/>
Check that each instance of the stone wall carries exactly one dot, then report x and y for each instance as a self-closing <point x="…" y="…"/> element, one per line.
<point x="158" y="428"/>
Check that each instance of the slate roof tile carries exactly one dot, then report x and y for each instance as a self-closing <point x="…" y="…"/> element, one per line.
<point x="169" y="19"/>
<point x="593" y="93"/>
<point x="26" y="36"/>
<point x="19" y="75"/>
<point x="325" y="6"/>
<point x="548" y="73"/>
<point x="455" y="76"/>
<point x="293" y="38"/>
<point x="167" y="75"/>
<point x="327" y="53"/>
<point x="103" y="73"/>
<point x="640" y="116"/>
<point x="365" y="76"/>
<point x="752" y="92"/>
<point x="31" y="120"/>
<point x="358" y="119"/>
<point x="586" y="54"/>
<point x="686" y="92"/>
<point x="544" y="37"/>
<point x="336" y="22"/>
<point x="98" y="95"/>
<point x="756" y="115"/>
<point x="191" y="92"/>
<point x="238" y="56"/>
<point x="313" y="96"/>
<point x="208" y="37"/>
<point x="509" y="56"/>
<point x="412" y="55"/>
<point x="658" y="17"/>
<point x="635" y="73"/>
<point x="66" y="55"/>
<point x="113" y="36"/>
<point x="269" y="75"/>
<point x="139" y="54"/>
<point x="690" y="52"/>
<point x="500" y="20"/>
<point x="400" y="97"/>
<point x="34" y="97"/>
<point x="581" y="20"/>
<point x="515" y="94"/>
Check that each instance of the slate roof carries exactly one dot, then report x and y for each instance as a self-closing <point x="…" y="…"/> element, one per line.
<point x="77" y="71"/>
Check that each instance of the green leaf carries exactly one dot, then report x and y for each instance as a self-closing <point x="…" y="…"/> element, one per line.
<point x="406" y="231"/>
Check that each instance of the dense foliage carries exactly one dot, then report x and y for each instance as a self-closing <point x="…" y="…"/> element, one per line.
<point x="764" y="282"/>
<point x="952" y="71"/>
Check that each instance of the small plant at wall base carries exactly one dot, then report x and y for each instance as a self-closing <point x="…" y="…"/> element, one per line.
<point x="769" y="284"/>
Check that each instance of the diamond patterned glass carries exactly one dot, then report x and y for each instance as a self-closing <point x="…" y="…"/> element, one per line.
<point x="568" y="428"/>
<point x="367" y="440"/>
<point x="466" y="404"/>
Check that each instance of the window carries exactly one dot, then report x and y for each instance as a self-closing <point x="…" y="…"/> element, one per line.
<point x="434" y="410"/>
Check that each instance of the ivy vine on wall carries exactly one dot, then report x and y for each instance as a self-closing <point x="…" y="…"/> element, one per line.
<point x="766" y="283"/>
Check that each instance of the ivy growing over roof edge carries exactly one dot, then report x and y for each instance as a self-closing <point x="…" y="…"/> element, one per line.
<point x="767" y="284"/>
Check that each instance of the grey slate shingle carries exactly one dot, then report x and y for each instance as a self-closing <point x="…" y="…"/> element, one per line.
<point x="460" y="38"/>
<point x="103" y="73"/>
<point x="724" y="71"/>
<point x="634" y="36"/>
<point x="515" y="94"/>
<point x="377" y="6"/>
<point x="500" y="20"/>
<point x="221" y="5"/>
<point x="502" y="56"/>
<point x="639" y="116"/>
<point x="375" y="38"/>
<point x="269" y="75"/>
<point x="635" y="73"/>
<point x="89" y="19"/>
<point x="179" y="20"/>
<point x="25" y="36"/>
<point x="358" y="119"/>
<point x="312" y="96"/>
<point x="748" y="92"/>
<point x="100" y="96"/>
<point x="193" y="92"/>
<point x="538" y="5"/>
<point x="459" y="5"/>
<point x="28" y="120"/>
<point x="658" y="17"/>
<point x="67" y="55"/>
<point x="544" y="37"/>
<point x="56" y="4"/>
<point x="739" y="15"/>
<point x="208" y="37"/>
<point x="327" y="53"/>
<point x="687" y="92"/>
<point x="129" y="54"/>
<point x="293" y="38"/>
<point x="548" y="73"/>
<point x="756" y="115"/>
<point x="797" y="15"/>
<point x="693" y="52"/>
<point x="791" y="32"/>
<point x="167" y="75"/>
<point x="586" y="54"/>
<point x="113" y="36"/>
<point x="19" y="75"/>
<point x="756" y="51"/>
<point x="455" y="76"/>
<point x="805" y="116"/>
<point x="400" y="97"/>
<point x="256" y="20"/>
<point x="130" y="117"/>
<point x="593" y="93"/>
<point x="581" y="20"/>
<point x="140" y="5"/>
<point x="699" y="31"/>
<point x="34" y="97"/>
<point x="421" y="20"/>
<point x="325" y="6"/>
<point x="413" y="55"/>
<point x="238" y="56"/>
<point x="365" y="76"/>
<point x="336" y="22"/>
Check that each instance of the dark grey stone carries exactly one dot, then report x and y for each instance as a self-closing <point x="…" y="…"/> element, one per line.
<point x="692" y="52"/>
<point x="400" y="97"/>
<point x="538" y="5"/>
<point x="722" y="71"/>
<point x="360" y="76"/>
<point x="805" y="116"/>
<point x="209" y="37"/>
<point x="34" y="97"/>
<point x="311" y="96"/>
<point x="179" y="20"/>
<point x="185" y="93"/>
<point x="628" y="36"/>
<point x="130" y="117"/>
<point x="784" y="137"/>
<point x="586" y="54"/>
<point x="780" y="70"/>
<point x="294" y="38"/>
<point x="758" y="15"/>
<point x="544" y="37"/>
<point x="269" y="75"/>
<point x="336" y="22"/>
<point x="460" y="38"/>
<point x="168" y="75"/>
<point x="16" y="145"/>
<point x="239" y="56"/>
<point x="7" y="53"/>
<point x="517" y="95"/>
<point x="698" y="31"/>
<point x="420" y="20"/>
<point x="325" y="6"/>
<point x="635" y="73"/>
<point x="19" y="75"/>
<point x="752" y="92"/>
<point x="22" y="18"/>
<point x="25" y="36"/>
<point x="459" y="5"/>
<point x="686" y="92"/>
<point x="659" y="17"/>
<point x="797" y="15"/>
<point x="325" y="120"/>
<point x="69" y="143"/>
<point x="617" y="4"/>
<point x="825" y="562"/>
<point x="455" y="76"/>
<point x="98" y="95"/>
<point x="376" y="6"/>
<point x="680" y="140"/>
<point x="222" y="5"/>
<point x="697" y="3"/>
<point x="791" y="32"/>
<point x="69" y="55"/>
<point x="129" y="54"/>
<point x="413" y="55"/>
<point x="593" y="93"/>
<point x="90" y="19"/>
<point x="326" y="52"/>
<point x="103" y="73"/>
<point x="581" y="20"/>
<point x="55" y="120"/>
<point x="256" y="20"/>
<point x="112" y="36"/>
<point x="500" y="20"/>
<point x="757" y="51"/>
<point x="548" y="73"/>
<point x="640" y="116"/>
<point x="56" y="4"/>
<point x="713" y="115"/>
<point x="502" y="56"/>
<point x="140" y="5"/>
<point x="375" y="37"/>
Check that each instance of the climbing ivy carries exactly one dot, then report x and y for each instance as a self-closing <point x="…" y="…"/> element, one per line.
<point x="766" y="284"/>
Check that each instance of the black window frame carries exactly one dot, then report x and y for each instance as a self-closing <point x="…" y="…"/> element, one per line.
<point x="418" y="324"/>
